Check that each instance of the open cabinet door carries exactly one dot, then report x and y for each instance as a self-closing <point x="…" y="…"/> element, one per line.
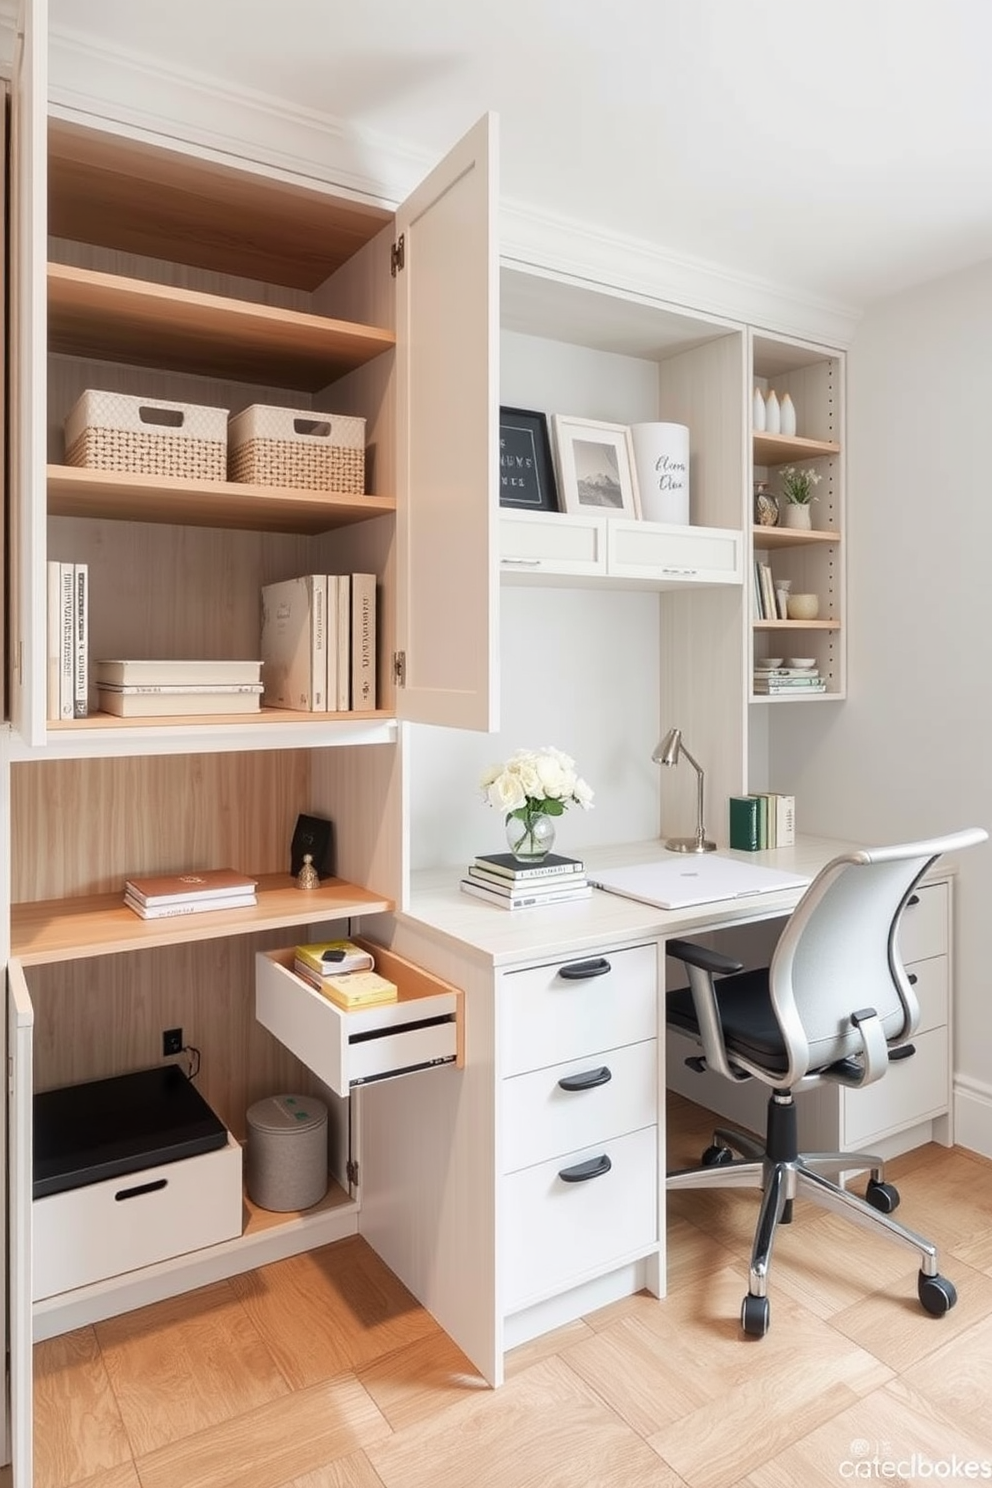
<point x="29" y="339"/>
<point x="447" y="427"/>
<point x="20" y="1105"/>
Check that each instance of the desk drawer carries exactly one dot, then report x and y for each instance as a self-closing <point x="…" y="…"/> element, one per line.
<point x="556" y="1233"/>
<point x="571" y="1009"/>
<point x="540" y="1118"/>
<point x="930" y="983"/>
<point x="420" y="1029"/>
<point x="912" y="1090"/>
<point x="923" y="930"/>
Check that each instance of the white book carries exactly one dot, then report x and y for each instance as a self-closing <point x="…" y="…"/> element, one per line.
<point x="198" y="906"/>
<point x="54" y="663"/>
<point x="67" y="641"/>
<point x="288" y="645"/>
<point x="363" y="642"/>
<point x="343" y="636"/>
<point x="81" y="678"/>
<point x="528" y="900"/>
<point x="318" y="642"/>
<point x="175" y="705"/>
<point x="175" y="689"/>
<point x="785" y="820"/>
<point x="182" y="673"/>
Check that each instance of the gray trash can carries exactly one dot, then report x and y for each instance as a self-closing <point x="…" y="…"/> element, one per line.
<point x="287" y="1152"/>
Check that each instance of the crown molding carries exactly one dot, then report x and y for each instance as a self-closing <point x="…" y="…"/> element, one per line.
<point x="90" y="83"/>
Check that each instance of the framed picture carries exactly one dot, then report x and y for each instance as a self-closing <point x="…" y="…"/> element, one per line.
<point x="595" y="467"/>
<point x="526" y="471"/>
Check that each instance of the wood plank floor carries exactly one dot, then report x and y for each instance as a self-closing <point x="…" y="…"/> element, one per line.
<point x="322" y="1372"/>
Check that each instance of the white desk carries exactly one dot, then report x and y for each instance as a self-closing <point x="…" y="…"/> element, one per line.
<point x="462" y="1195"/>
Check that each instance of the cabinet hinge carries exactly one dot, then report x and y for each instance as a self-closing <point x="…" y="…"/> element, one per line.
<point x="399" y="668"/>
<point x="397" y="258"/>
<point x="352" y="1172"/>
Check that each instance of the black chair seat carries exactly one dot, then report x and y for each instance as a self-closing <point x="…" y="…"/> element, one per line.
<point x="749" y="1024"/>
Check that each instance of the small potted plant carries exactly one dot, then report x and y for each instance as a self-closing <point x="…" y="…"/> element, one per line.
<point x="531" y="789"/>
<point x="797" y="496"/>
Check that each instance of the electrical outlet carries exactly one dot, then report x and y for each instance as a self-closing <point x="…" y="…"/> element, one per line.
<point x="172" y="1041"/>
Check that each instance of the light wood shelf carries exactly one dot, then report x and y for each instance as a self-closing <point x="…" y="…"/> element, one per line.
<point x="115" y="319"/>
<point x="265" y="718"/>
<point x="121" y="496"/>
<point x="101" y="924"/>
<point x="796" y="624"/>
<point x="791" y="537"/>
<point x="781" y="449"/>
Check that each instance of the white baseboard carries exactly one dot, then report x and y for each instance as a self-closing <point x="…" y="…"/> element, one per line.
<point x="973" y="1115"/>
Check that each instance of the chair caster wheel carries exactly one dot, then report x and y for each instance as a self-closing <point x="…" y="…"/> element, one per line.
<point x="882" y="1196"/>
<point x="755" y="1317"/>
<point x="716" y="1157"/>
<point x="936" y="1293"/>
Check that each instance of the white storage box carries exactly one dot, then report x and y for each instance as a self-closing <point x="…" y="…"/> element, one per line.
<point x="145" y="436"/>
<point x="287" y="1152"/>
<point x="298" y="448"/>
<point x="104" y="1229"/>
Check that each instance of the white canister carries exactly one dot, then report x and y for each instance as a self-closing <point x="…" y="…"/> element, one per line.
<point x="661" y="459"/>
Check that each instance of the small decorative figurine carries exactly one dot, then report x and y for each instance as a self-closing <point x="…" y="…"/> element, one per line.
<point x="308" y="877"/>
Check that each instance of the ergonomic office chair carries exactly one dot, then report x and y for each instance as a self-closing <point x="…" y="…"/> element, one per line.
<point x="834" y="1004"/>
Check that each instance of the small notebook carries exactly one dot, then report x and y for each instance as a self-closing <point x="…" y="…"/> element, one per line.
<point x="686" y="879"/>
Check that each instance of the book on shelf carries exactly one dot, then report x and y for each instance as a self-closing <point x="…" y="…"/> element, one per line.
<point x="363" y="642"/>
<point x="811" y="672"/>
<point x="197" y="883"/>
<point x="190" y="906"/>
<point x="511" y="886"/>
<point x="179" y="689"/>
<point x="332" y="957"/>
<point x="293" y="643"/>
<point x="526" y="898"/>
<point x="80" y="640"/>
<point x="67" y="624"/>
<point x="339" y="642"/>
<point x="350" y="989"/>
<point x="768" y="603"/>
<point x="53" y="678"/>
<point x="144" y="704"/>
<point x="154" y="671"/>
<point x="744" y="823"/>
<point x="507" y="866"/>
<point x="791" y="687"/>
<point x="785" y="819"/>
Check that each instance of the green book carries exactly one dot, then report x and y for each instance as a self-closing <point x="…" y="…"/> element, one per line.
<point x="744" y="823"/>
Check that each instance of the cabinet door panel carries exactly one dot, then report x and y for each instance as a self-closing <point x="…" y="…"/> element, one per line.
<point x="447" y="430"/>
<point x="912" y="1090"/>
<point x="20" y="1109"/>
<point x="685" y="555"/>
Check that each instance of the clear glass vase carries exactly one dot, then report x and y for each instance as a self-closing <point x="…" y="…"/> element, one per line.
<point x="531" y="835"/>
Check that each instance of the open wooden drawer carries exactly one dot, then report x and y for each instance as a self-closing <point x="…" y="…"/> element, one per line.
<point x="424" y="1027"/>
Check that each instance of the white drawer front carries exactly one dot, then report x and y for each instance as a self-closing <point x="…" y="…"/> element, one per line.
<point x="351" y="1048"/>
<point x="602" y="1098"/>
<point x="565" y="1011"/>
<point x="555" y="1233"/>
<point x="930" y="983"/>
<point x="105" y="1229"/>
<point x="911" y="1090"/>
<point x="923" y="930"/>
<point x="710" y="555"/>
<point x="558" y="543"/>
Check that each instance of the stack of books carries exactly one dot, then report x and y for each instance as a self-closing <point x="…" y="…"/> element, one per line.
<point x="189" y="893"/>
<point x="319" y="643"/>
<point x="764" y="820"/>
<point x="344" y="973"/>
<point x="156" y="689"/>
<point x="501" y="879"/>
<point x="786" y="681"/>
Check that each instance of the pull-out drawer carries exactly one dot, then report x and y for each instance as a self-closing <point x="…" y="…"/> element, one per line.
<point x="923" y="929"/>
<point x="568" y="1009"/>
<point x="930" y="983"/>
<point x="910" y="1091"/>
<point x="421" y="1029"/>
<point x="578" y="1103"/>
<point x="567" y="1219"/>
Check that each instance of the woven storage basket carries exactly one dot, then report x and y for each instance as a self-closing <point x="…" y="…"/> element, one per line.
<point x="144" y="436"/>
<point x="293" y="447"/>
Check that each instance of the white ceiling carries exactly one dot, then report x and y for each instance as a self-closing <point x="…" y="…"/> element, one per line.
<point x="839" y="147"/>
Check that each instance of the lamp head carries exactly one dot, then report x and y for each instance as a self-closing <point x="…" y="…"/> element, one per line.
<point x="668" y="751"/>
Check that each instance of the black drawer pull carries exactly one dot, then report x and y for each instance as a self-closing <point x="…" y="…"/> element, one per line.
<point x="142" y="1188"/>
<point x="912" y="978"/>
<point x="596" y="1167"/>
<point x="906" y="1051"/>
<point x="913" y="899"/>
<point x="581" y="971"/>
<point x="588" y="1080"/>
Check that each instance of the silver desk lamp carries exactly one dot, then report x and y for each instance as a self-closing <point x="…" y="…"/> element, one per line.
<point x="669" y="752"/>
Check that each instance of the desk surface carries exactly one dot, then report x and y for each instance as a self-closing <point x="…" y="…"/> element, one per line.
<point x="505" y="937"/>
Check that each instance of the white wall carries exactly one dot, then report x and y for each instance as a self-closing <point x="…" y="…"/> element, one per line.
<point x="909" y="754"/>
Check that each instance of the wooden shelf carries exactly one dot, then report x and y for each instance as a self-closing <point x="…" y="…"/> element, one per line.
<point x="120" y="496"/>
<point x="115" y="319"/>
<point x="101" y="924"/>
<point x="782" y="449"/>
<point x="796" y="624"/>
<point x="790" y="537"/>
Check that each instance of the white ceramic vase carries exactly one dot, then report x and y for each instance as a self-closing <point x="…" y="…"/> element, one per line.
<point x="792" y="514"/>
<point x="773" y="415"/>
<point x="758" y="414"/>
<point x="661" y="460"/>
<point x="804" y="606"/>
<point x="787" y="416"/>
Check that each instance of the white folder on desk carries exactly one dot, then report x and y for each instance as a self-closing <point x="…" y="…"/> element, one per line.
<point x="678" y="882"/>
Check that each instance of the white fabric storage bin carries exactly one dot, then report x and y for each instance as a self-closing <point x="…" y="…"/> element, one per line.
<point x="103" y="1229"/>
<point x="146" y="436"/>
<point x="287" y="1152"/>
<point x="298" y="448"/>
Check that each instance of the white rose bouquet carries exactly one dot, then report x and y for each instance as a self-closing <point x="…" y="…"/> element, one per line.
<point x="533" y="785"/>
